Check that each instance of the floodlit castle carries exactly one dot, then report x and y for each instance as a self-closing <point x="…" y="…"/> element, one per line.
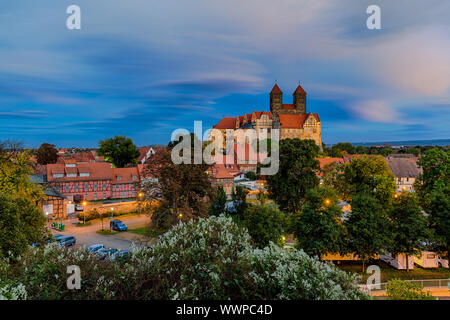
<point x="292" y="119"/>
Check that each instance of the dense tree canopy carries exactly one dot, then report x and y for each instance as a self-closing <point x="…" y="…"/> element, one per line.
<point x="367" y="227"/>
<point x="371" y="175"/>
<point x="46" y="154"/>
<point x="433" y="189"/>
<point x="409" y="226"/>
<point x="296" y="174"/>
<point x="319" y="229"/>
<point x="21" y="221"/>
<point x="183" y="189"/>
<point x="218" y="202"/>
<point x="120" y="151"/>
<point x="265" y="224"/>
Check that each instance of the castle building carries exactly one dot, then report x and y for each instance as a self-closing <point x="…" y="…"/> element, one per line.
<point x="292" y="120"/>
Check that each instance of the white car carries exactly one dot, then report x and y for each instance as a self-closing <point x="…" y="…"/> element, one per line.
<point x="443" y="263"/>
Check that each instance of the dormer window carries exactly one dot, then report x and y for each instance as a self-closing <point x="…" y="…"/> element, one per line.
<point x="71" y="175"/>
<point x="70" y="165"/>
<point x="119" y="178"/>
<point x="134" y="178"/>
<point x="58" y="175"/>
<point x="84" y="174"/>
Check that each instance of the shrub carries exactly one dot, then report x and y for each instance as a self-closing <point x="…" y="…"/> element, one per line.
<point x="402" y="290"/>
<point x="205" y="259"/>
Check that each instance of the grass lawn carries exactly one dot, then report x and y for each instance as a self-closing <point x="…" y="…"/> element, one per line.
<point x="388" y="272"/>
<point x="107" y="232"/>
<point x="145" y="231"/>
<point x="81" y="224"/>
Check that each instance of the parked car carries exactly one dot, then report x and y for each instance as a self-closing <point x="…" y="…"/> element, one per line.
<point x="57" y="237"/>
<point x="79" y="207"/>
<point x="119" y="255"/>
<point x="103" y="253"/>
<point x="442" y="263"/>
<point x="118" y="225"/>
<point x="94" y="248"/>
<point x="67" y="241"/>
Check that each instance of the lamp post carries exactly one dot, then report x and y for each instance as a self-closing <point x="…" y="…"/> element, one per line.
<point x="140" y="202"/>
<point x="84" y="212"/>
<point x="112" y="215"/>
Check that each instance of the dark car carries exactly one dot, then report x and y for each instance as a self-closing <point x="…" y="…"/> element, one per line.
<point x="104" y="253"/>
<point x="94" y="248"/>
<point x="118" y="225"/>
<point x="119" y="255"/>
<point x="67" y="241"/>
<point x="57" y="237"/>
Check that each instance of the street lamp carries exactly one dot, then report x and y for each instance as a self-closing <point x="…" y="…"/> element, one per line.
<point x="112" y="213"/>
<point x="327" y="201"/>
<point x="84" y="211"/>
<point x="140" y="203"/>
<point x="46" y="214"/>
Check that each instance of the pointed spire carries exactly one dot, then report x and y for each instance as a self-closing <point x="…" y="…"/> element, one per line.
<point x="299" y="89"/>
<point x="276" y="89"/>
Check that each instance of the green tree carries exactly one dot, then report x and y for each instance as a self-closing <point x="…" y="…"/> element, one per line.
<point x="265" y="224"/>
<point x="46" y="154"/>
<point x="319" y="229"/>
<point x="433" y="189"/>
<point x="239" y="196"/>
<point x="409" y="226"/>
<point x="338" y="150"/>
<point x="21" y="224"/>
<point x="371" y="175"/>
<point x="251" y="175"/>
<point x="296" y="174"/>
<point x="219" y="201"/>
<point x="367" y="227"/>
<point x="120" y="151"/>
<point x="182" y="189"/>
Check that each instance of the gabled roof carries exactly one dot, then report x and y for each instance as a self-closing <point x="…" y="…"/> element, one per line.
<point x="226" y="123"/>
<point x="299" y="90"/>
<point x="276" y="89"/>
<point x="126" y="175"/>
<point x="295" y="121"/>
<point x="404" y="167"/>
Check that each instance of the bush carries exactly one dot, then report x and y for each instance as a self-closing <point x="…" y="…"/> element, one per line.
<point x="402" y="290"/>
<point x="207" y="259"/>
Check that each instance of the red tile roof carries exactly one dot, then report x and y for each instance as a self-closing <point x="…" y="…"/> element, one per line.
<point x="226" y="123"/>
<point x="126" y="175"/>
<point x="276" y="89"/>
<point x="299" y="90"/>
<point x="295" y="121"/>
<point x="96" y="170"/>
<point x="219" y="171"/>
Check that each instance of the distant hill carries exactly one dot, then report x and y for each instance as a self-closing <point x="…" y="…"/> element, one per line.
<point x="437" y="142"/>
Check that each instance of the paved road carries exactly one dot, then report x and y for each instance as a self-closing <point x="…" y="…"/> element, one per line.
<point x="88" y="235"/>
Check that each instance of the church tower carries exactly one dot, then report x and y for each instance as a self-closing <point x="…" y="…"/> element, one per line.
<point x="276" y="100"/>
<point x="300" y="100"/>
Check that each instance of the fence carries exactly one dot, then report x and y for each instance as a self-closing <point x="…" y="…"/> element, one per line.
<point x="426" y="283"/>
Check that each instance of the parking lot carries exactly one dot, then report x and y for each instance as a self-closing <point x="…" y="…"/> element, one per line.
<point x="87" y="235"/>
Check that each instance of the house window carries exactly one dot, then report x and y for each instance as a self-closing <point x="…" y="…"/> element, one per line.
<point x="95" y="196"/>
<point x="95" y="186"/>
<point x="86" y="186"/>
<point x="84" y="174"/>
<point x="77" y="188"/>
<point x="71" y="175"/>
<point x="58" y="175"/>
<point x="119" y="178"/>
<point x="104" y="196"/>
<point x="134" y="178"/>
<point x="86" y="196"/>
<point x="104" y="186"/>
<point x="123" y="194"/>
<point x="70" y="165"/>
<point x="67" y="189"/>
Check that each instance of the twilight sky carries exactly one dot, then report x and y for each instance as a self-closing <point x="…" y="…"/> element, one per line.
<point x="143" y="68"/>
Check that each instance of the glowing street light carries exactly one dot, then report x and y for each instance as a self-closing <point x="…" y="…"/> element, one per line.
<point x="84" y="211"/>
<point x="327" y="201"/>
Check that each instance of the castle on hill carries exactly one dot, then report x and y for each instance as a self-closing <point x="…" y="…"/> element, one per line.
<point x="292" y="120"/>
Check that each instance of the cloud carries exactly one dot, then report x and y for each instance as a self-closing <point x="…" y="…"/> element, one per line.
<point x="376" y="111"/>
